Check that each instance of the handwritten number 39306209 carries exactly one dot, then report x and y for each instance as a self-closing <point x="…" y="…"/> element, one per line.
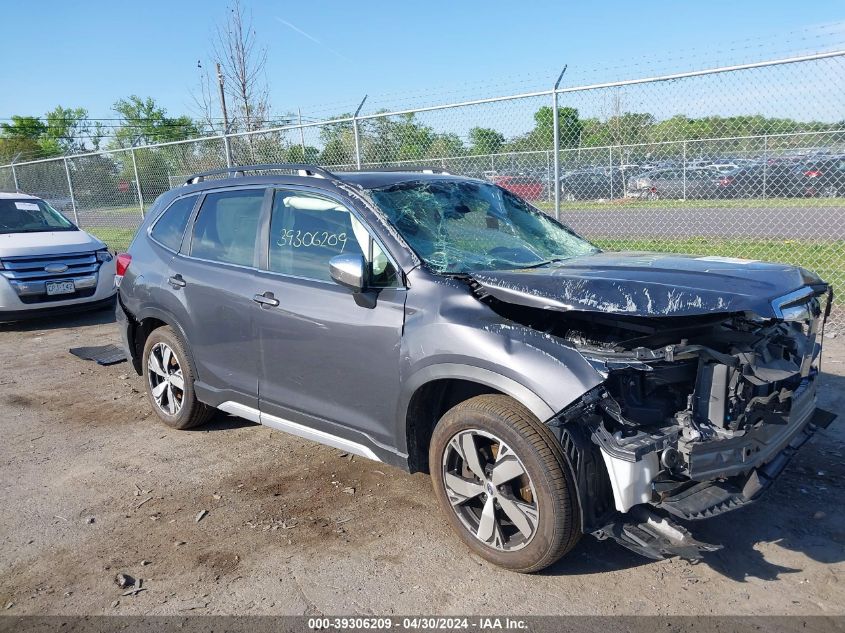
<point x="300" y="239"/>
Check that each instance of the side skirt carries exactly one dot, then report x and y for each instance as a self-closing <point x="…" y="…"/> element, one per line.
<point x="254" y="415"/>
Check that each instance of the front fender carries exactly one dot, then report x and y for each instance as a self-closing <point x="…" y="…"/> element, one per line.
<point x="480" y="375"/>
<point x="449" y="333"/>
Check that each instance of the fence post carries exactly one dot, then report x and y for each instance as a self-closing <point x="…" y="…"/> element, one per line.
<point x="684" y="159"/>
<point x="227" y="150"/>
<point x="765" y="162"/>
<point x="70" y="190"/>
<point x="355" y="131"/>
<point x="549" y="174"/>
<point x="15" y="178"/>
<point x="610" y="168"/>
<point x="138" y="183"/>
<point x="302" y="136"/>
<point x="556" y="132"/>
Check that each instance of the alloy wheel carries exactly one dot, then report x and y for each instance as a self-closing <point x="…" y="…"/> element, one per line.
<point x="490" y="490"/>
<point x="166" y="382"/>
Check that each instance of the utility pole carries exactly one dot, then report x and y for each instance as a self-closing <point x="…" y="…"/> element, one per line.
<point x="225" y="116"/>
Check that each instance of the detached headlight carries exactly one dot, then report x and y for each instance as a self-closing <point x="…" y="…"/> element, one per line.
<point x="104" y="256"/>
<point x="797" y="312"/>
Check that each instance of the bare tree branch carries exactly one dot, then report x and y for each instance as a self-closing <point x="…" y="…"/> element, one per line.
<point x="243" y="62"/>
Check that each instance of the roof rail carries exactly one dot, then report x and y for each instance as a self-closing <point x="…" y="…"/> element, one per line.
<point x="424" y="170"/>
<point x="237" y="171"/>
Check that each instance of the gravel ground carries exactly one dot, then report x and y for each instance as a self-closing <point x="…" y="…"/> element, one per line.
<point x="92" y="485"/>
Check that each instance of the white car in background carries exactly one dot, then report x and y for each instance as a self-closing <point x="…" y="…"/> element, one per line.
<point x="47" y="264"/>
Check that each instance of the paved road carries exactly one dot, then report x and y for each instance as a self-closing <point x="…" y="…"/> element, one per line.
<point x="819" y="223"/>
<point x="797" y="222"/>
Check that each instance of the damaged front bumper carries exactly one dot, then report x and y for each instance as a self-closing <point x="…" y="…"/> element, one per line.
<point x="748" y="405"/>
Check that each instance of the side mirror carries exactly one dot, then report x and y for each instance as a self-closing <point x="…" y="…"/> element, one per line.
<point x="349" y="271"/>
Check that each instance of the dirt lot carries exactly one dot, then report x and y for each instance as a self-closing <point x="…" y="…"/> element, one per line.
<point x="93" y="485"/>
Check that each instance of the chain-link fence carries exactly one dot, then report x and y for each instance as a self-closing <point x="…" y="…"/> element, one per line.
<point x="745" y="161"/>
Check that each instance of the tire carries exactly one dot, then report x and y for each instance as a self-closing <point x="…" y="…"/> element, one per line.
<point x="829" y="192"/>
<point x="177" y="412"/>
<point x="544" y="493"/>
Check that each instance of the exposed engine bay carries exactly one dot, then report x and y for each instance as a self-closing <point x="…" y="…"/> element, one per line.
<point x="696" y="415"/>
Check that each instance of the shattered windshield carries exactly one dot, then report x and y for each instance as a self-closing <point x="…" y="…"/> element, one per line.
<point x="459" y="226"/>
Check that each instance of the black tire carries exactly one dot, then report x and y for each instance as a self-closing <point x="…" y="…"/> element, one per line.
<point x="557" y="528"/>
<point x="191" y="412"/>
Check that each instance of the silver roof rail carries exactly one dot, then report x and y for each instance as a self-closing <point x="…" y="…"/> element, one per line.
<point x="238" y="171"/>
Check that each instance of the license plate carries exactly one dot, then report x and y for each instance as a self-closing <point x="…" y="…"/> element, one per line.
<point x="60" y="287"/>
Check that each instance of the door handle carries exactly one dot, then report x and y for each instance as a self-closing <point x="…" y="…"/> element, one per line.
<point x="176" y="281"/>
<point x="266" y="300"/>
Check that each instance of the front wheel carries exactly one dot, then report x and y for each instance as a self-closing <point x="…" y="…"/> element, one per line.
<point x="500" y="477"/>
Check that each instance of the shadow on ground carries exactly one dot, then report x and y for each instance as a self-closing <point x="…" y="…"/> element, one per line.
<point x="101" y="316"/>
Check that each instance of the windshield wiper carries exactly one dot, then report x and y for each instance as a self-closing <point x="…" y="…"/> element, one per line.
<point x="547" y="262"/>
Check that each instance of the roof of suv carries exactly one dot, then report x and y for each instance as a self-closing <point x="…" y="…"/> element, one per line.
<point x="375" y="179"/>
<point x="252" y="174"/>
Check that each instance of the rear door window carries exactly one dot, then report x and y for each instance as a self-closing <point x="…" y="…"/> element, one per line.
<point x="170" y="227"/>
<point x="227" y="225"/>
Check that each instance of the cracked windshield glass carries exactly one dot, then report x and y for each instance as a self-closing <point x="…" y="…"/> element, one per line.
<point x="458" y="227"/>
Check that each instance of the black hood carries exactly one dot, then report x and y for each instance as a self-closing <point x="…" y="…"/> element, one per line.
<point x="650" y="284"/>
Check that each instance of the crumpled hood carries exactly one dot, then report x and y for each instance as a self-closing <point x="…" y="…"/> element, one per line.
<point x="47" y="243"/>
<point x="649" y="284"/>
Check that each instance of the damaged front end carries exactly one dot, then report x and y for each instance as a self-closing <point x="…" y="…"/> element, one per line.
<point x="697" y="414"/>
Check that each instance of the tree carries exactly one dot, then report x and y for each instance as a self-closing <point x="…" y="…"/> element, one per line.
<point x="67" y="131"/>
<point x="569" y="127"/>
<point x="143" y="122"/>
<point x="485" y="140"/>
<point x="243" y="63"/>
<point x="338" y="142"/>
<point x="19" y="139"/>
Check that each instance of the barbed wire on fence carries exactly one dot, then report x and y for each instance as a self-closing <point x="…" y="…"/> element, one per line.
<point x="746" y="160"/>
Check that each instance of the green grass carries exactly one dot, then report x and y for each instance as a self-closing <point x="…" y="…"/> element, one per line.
<point x="116" y="239"/>
<point x="827" y="259"/>
<point x="740" y="203"/>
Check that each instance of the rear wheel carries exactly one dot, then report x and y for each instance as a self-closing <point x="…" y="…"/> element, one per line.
<point x="500" y="478"/>
<point x="170" y="381"/>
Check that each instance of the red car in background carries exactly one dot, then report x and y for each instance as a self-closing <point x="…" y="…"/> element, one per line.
<point x="526" y="187"/>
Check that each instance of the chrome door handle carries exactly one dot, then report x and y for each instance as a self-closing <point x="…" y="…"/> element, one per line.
<point x="177" y="282"/>
<point x="266" y="300"/>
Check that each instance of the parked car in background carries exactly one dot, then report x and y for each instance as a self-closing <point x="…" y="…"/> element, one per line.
<point x="822" y="178"/>
<point x="47" y="264"/>
<point x="528" y="187"/>
<point x="442" y="324"/>
<point x="585" y="185"/>
<point x="674" y="183"/>
<point x="759" y="181"/>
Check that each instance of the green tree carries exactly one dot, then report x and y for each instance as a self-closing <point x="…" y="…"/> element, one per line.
<point x="143" y="122"/>
<point x="66" y="131"/>
<point x="542" y="136"/>
<point x="484" y="140"/>
<point x="19" y="139"/>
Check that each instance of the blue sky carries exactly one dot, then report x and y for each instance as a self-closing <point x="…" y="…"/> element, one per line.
<point x="401" y="53"/>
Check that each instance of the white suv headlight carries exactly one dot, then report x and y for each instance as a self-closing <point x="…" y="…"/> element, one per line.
<point x="104" y="256"/>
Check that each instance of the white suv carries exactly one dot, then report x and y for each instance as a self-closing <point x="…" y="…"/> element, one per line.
<point x="47" y="264"/>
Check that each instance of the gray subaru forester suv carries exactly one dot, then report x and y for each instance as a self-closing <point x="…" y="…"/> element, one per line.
<point x="442" y="324"/>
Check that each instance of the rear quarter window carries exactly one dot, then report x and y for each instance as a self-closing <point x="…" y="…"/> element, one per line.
<point x="170" y="227"/>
